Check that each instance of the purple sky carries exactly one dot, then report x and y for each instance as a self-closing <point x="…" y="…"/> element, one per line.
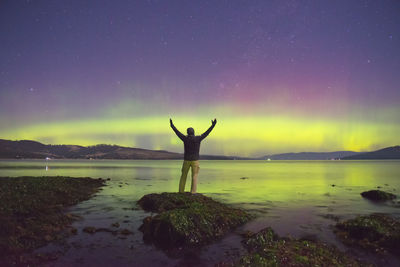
<point x="90" y="60"/>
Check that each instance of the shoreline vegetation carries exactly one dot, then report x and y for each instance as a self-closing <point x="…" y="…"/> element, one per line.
<point x="33" y="214"/>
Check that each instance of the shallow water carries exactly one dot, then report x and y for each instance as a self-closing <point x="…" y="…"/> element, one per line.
<point x="296" y="198"/>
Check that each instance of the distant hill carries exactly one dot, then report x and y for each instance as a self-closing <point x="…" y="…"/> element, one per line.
<point x="311" y="155"/>
<point x="26" y="149"/>
<point x="385" y="153"/>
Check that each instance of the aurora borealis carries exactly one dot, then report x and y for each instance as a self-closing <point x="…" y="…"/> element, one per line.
<point x="279" y="76"/>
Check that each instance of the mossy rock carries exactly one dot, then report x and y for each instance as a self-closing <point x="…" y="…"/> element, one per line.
<point x="376" y="232"/>
<point x="32" y="213"/>
<point x="186" y="219"/>
<point x="378" y="195"/>
<point x="266" y="248"/>
<point x="258" y="241"/>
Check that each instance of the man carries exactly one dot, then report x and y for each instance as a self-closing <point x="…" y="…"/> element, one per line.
<point x="191" y="155"/>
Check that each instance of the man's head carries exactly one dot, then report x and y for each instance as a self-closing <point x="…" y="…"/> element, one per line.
<point x="190" y="131"/>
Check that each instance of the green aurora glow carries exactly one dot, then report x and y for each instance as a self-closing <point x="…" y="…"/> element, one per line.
<point x="234" y="135"/>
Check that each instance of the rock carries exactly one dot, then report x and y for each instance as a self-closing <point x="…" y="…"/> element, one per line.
<point x="33" y="213"/>
<point x="378" y="195"/>
<point x="266" y="248"/>
<point x="261" y="239"/>
<point x="376" y="232"/>
<point x="116" y="224"/>
<point x="330" y="217"/>
<point x="126" y="232"/>
<point x="186" y="219"/>
<point x="246" y="234"/>
<point x="107" y="230"/>
<point x="89" y="229"/>
<point x="92" y="230"/>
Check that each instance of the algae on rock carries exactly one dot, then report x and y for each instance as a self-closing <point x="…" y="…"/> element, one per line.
<point x="266" y="248"/>
<point x="32" y="213"/>
<point x="376" y="232"/>
<point x="187" y="219"/>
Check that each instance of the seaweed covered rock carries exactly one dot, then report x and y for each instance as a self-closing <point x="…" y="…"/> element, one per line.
<point x="266" y="248"/>
<point x="258" y="241"/>
<point x="32" y="213"/>
<point x="378" y="195"/>
<point x="186" y="219"/>
<point x="377" y="232"/>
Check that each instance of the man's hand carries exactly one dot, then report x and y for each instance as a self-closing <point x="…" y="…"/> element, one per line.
<point x="213" y="122"/>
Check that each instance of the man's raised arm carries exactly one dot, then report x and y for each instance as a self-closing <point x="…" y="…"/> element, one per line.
<point x="204" y="135"/>
<point x="178" y="133"/>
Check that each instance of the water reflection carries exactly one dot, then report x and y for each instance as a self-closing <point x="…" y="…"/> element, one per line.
<point x="295" y="182"/>
<point x="297" y="198"/>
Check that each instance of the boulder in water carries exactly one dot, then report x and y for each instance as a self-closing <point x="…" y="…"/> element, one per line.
<point x="378" y="195"/>
<point x="186" y="219"/>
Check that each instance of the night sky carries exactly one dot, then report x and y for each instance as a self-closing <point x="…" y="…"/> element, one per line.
<point x="279" y="76"/>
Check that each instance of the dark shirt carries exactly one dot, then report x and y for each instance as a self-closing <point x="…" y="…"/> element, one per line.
<point x="192" y="143"/>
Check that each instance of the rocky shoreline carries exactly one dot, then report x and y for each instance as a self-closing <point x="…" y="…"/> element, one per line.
<point x="184" y="221"/>
<point x="32" y="214"/>
<point x="266" y="248"/>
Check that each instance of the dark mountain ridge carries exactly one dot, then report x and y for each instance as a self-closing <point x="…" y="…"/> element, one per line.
<point x="35" y="150"/>
<point x="27" y="149"/>
<point x="384" y="153"/>
<point x="311" y="155"/>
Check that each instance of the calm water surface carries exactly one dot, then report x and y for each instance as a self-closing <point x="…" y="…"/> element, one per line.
<point x="295" y="198"/>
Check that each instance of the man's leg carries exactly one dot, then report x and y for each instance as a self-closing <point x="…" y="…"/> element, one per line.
<point x="195" y="172"/>
<point x="185" y="169"/>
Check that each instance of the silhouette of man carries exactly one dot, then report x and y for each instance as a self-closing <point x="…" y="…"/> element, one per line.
<point x="191" y="155"/>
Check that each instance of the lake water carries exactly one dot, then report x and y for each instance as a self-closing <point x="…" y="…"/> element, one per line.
<point x="295" y="198"/>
